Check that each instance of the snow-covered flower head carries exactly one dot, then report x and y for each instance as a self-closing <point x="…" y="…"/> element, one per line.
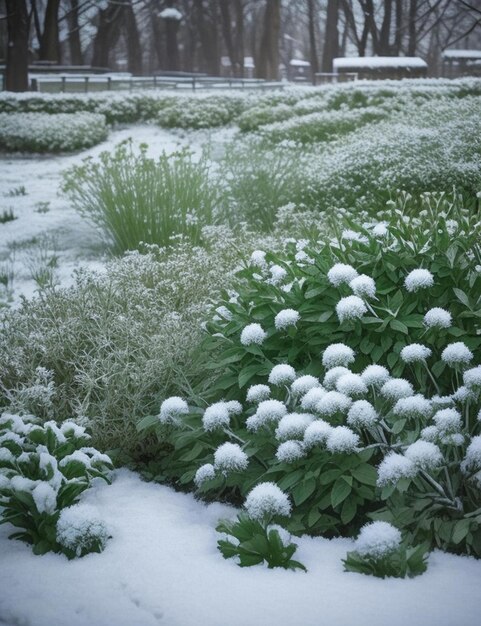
<point x="350" y="308"/>
<point x="304" y="384"/>
<point x="290" y="451"/>
<point x="172" y="409"/>
<point x="362" y="414"/>
<point x="397" y="388"/>
<point x="342" y="439"/>
<point x="448" y="420"/>
<point x="351" y="385"/>
<point x="278" y="274"/>
<point x="456" y="353"/>
<point x="375" y="376"/>
<point x="472" y="377"/>
<point x="463" y="394"/>
<point x="286" y="318"/>
<point x="363" y="286"/>
<point x="266" y="499"/>
<point x="394" y="467"/>
<point x="234" y="407"/>
<point x="217" y="415"/>
<point x="430" y="433"/>
<point x="337" y="354"/>
<point x="223" y="312"/>
<point x="253" y="334"/>
<point x="312" y="397"/>
<point x="205" y="472"/>
<point x="293" y="425"/>
<point x="472" y="460"/>
<point x="317" y="433"/>
<point x="229" y="457"/>
<point x="378" y="539"/>
<point x="380" y="230"/>
<point x="438" y="318"/>
<point x="257" y="393"/>
<point x="80" y="528"/>
<point x="413" y="407"/>
<point x="45" y="497"/>
<point x="415" y="352"/>
<point x="419" y="279"/>
<point x="270" y="411"/>
<point x="333" y="375"/>
<point x="284" y="535"/>
<point x="340" y="274"/>
<point x="282" y="374"/>
<point x="424" y="454"/>
<point x="353" y="235"/>
<point x="258" y="258"/>
<point x="333" y="402"/>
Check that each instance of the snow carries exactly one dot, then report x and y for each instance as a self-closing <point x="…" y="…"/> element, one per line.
<point x="270" y="411"/>
<point x="456" y="353"/>
<point x="171" y="409"/>
<point x="332" y="376"/>
<point x="362" y="414"/>
<point x="447" y="420"/>
<point x="79" y="526"/>
<point x="45" y="497"/>
<point x="415" y="352"/>
<point x="293" y="425"/>
<point x="424" y="454"/>
<point x="317" y="433"/>
<point x="377" y="62"/>
<point x="413" y="406"/>
<point x="333" y="402"/>
<point x="170" y="14"/>
<point x="342" y="439"/>
<point x="351" y="384"/>
<point x="397" y="388"/>
<point x="462" y="54"/>
<point x="375" y="375"/>
<point x="216" y="416"/>
<point x="162" y="567"/>
<point x="312" y="397"/>
<point x="205" y="472"/>
<point x="229" y="457"/>
<point x="377" y="539"/>
<point x="267" y="499"/>
<point x="258" y="258"/>
<point x="304" y="384"/>
<point x="394" y="467"/>
<point x="472" y="377"/>
<point x="363" y="286"/>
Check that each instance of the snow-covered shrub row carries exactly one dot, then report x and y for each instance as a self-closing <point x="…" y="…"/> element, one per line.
<point x="206" y="113"/>
<point x="44" y="468"/>
<point x="41" y="132"/>
<point x="116" y="342"/>
<point x="392" y="95"/>
<point x="136" y="199"/>
<point x="340" y="354"/>
<point x="322" y="126"/>
<point x="364" y="168"/>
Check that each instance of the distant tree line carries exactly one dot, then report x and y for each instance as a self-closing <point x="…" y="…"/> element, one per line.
<point x="230" y="36"/>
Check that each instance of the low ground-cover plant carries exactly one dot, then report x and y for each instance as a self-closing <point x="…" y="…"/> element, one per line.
<point x="254" y="538"/>
<point x="136" y="199"/>
<point x="61" y="132"/>
<point x="43" y="471"/>
<point x="208" y="112"/>
<point x="379" y="551"/>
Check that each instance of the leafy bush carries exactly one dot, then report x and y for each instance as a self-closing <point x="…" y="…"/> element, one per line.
<point x="43" y="470"/>
<point x="111" y="346"/>
<point x="62" y="132"/>
<point x="380" y="552"/>
<point x="135" y="199"/>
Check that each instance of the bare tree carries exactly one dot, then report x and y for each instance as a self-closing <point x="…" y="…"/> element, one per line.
<point x="331" y="37"/>
<point x="16" y="74"/>
<point x="49" y="40"/>
<point x="312" y="14"/>
<point x="267" y="58"/>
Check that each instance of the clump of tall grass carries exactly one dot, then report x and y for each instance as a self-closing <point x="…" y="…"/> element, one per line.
<point x="133" y="198"/>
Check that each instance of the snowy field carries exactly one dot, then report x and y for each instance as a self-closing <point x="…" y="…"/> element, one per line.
<point x="162" y="567"/>
<point x="46" y="226"/>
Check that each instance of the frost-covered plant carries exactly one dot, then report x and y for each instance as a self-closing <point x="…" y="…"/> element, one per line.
<point x="136" y="199"/>
<point x="81" y="531"/>
<point x="207" y="112"/>
<point x="44" y="468"/>
<point x="379" y="551"/>
<point x="254" y="538"/>
<point x="40" y="132"/>
<point x="110" y="347"/>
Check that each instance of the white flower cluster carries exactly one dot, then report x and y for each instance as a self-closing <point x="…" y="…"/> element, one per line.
<point x="172" y="409"/>
<point x="218" y="415"/>
<point x="266" y="499"/>
<point x="419" y="279"/>
<point x="253" y="334"/>
<point x="378" y="539"/>
<point x="80" y="528"/>
<point x="286" y="318"/>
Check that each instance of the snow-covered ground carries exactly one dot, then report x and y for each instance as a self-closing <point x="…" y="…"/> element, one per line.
<point x="162" y="567"/>
<point x="46" y="226"/>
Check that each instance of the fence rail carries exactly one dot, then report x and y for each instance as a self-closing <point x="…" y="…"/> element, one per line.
<point x="96" y="82"/>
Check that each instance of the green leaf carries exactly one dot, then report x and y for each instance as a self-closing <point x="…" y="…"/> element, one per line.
<point x="399" y="326"/>
<point x="461" y="296"/>
<point x="147" y="422"/>
<point x="249" y="372"/>
<point x="302" y="491"/>
<point x="365" y="474"/>
<point x="194" y="453"/>
<point x="461" y="529"/>
<point x="348" y="511"/>
<point x="339" y="492"/>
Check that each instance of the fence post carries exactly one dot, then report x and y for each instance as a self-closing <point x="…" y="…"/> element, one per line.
<point x="63" y="84"/>
<point x="86" y="85"/>
<point x="109" y="83"/>
<point x="33" y="85"/>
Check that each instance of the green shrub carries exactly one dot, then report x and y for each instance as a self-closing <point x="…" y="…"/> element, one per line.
<point x="111" y="346"/>
<point x="43" y="470"/>
<point x="135" y="199"/>
<point x="61" y="132"/>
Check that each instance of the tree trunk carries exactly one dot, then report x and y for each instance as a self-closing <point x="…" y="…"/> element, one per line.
<point x="267" y="64"/>
<point x="108" y="33"/>
<point x="50" y="43"/>
<point x="134" y="49"/>
<point x="208" y="39"/>
<point x="311" y="10"/>
<point x="399" y="25"/>
<point x="384" y="46"/>
<point x="75" y="46"/>
<point x="239" y="37"/>
<point x="172" y="48"/>
<point x="412" y="43"/>
<point x="331" y="38"/>
<point x="227" y="34"/>
<point x="16" y="74"/>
